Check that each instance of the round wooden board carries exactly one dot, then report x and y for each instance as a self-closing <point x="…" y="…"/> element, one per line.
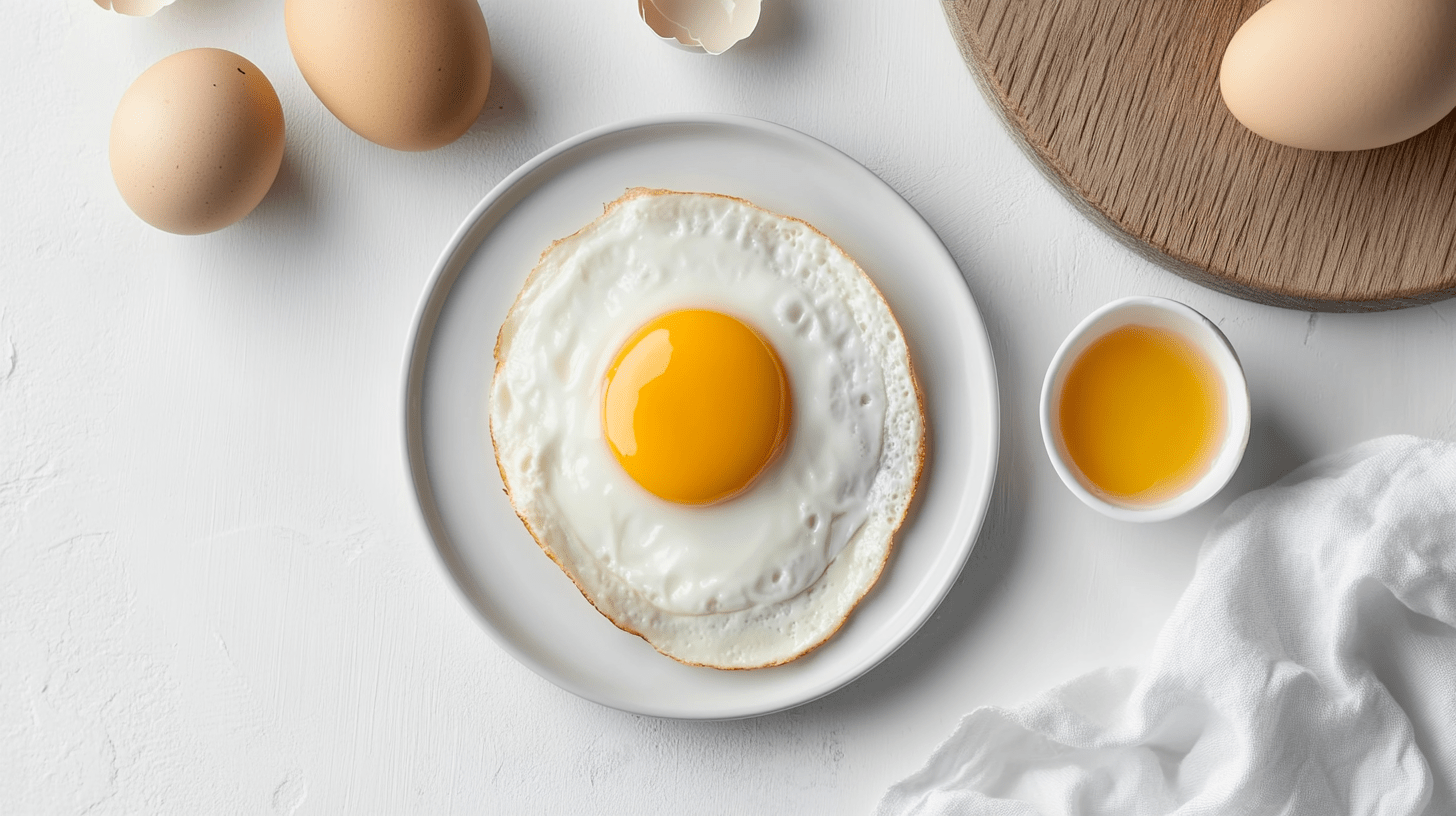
<point x="1119" y="101"/>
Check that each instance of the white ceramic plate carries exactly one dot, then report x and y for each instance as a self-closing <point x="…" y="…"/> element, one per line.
<point x="525" y="601"/>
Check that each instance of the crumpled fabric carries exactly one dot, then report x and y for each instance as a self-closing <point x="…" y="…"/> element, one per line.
<point x="1309" y="668"/>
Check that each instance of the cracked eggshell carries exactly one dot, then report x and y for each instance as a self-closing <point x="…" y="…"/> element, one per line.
<point x="134" y="8"/>
<point x="711" y="26"/>
<point x="670" y="32"/>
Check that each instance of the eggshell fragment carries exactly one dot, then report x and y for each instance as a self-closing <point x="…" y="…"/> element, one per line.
<point x="409" y="76"/>
<point x="1342" y="74"/>
<point x="711" y="26"/>
<point x="197" y="141"/>
<point x="134" y="8"/>
<point x="670" y="32"/>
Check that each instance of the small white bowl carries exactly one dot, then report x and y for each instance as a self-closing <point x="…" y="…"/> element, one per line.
<point x="1173" y="316"/>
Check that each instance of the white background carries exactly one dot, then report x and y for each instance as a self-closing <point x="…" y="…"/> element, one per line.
<point x="215" y="595"/>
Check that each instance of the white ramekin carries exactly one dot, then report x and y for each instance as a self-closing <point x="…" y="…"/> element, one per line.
<point x="1172" y="316"/>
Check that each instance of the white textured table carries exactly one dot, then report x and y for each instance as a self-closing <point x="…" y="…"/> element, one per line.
<point x="214" y="592"/>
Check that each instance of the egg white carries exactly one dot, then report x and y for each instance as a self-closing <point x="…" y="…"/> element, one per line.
<point x="768" y="575"/>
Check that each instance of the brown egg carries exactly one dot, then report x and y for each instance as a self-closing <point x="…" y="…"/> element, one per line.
<point x="411" y="76"/>
<point x="1342" y="74"/>
<point x="197" y="141"/>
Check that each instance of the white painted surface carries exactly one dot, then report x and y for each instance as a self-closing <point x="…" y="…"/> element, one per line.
<point x="214" y="593"/>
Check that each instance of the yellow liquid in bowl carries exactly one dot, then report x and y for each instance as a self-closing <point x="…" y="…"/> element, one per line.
<point x="1141" y="415"/>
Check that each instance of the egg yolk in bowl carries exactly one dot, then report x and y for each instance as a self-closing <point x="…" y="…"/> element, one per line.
<point x="696" y="406"/>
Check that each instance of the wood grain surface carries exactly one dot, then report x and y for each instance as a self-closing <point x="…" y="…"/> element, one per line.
<point x="1119" y="102"/>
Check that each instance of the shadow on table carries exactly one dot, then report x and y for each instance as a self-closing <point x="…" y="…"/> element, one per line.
<point x="504" y="105"/>
<point x="1272" y="453"/>
<point x="289" y="201"/>
<point x="778" y="29"/>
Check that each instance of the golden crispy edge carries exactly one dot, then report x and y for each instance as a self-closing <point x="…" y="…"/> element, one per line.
<point x="641" y="192"/>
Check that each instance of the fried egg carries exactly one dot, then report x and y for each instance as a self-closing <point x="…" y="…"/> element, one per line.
<point x="706" y="415"/>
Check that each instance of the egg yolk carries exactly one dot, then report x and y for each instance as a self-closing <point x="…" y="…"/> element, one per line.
<point x="695" y="406"/>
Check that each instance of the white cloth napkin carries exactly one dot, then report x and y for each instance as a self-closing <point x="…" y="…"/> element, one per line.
<point x="1309" y="668"/>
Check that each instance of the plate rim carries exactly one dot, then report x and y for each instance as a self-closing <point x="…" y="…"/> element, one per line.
<point x="423" y="323"/>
